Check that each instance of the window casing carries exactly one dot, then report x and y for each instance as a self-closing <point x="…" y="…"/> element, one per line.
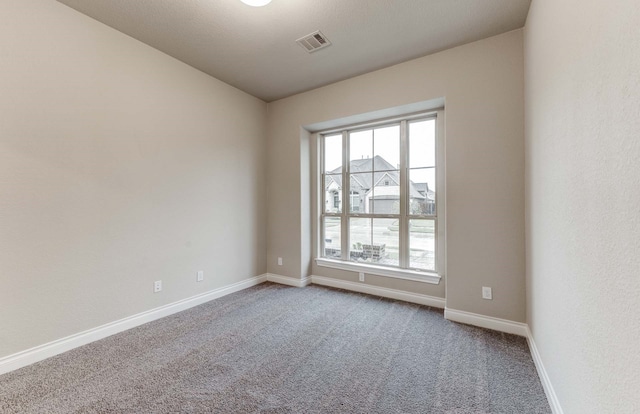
<point x="390" y="176"/>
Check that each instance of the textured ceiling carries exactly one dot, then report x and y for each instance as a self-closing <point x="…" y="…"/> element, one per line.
<point x="254" y="49"/>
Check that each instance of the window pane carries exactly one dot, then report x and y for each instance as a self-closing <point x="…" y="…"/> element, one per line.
<point x="361" y="150"/>
<point x="360" y="192"/>
<point x="332" y="237"/>
<point x="386" y="242"/>
<point x="333" y="193"/>
<point x="386" y="146"/>
<point x="333" y="153"/>
<point x="359" y="237"/>
<point x="422" y="194"/>
<point x="422" y="244"/>
<point x="385" y="197"/>
<point x="422" y="144"/>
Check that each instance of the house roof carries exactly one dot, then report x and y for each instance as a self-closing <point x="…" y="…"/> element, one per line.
<point x="377" y="165"/>
<point x="365" y="164"/>
<point x="424" y="189"/>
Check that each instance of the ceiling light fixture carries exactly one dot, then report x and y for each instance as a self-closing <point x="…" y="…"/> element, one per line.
<point x="256" y="3"/>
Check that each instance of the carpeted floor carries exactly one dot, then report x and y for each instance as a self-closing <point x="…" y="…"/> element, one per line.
<point x="278" y="349"/>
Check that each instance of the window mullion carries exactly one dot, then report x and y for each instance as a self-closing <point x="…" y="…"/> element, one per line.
<point x="404" y="189"/>
<point x="440" y="256"/>
<point x="346" y="201"/>
<point x="322" y="184"/>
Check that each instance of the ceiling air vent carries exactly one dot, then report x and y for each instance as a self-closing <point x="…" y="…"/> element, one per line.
<point x="314" y="41"/>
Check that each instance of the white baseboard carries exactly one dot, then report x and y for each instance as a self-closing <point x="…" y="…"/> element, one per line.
<point x="380" y="291"/>
<point x="542" y="373"/>
<point x="290" y="281"/>
<point x="41" y="352"/>
<point x="38" y="353"/>
<point x="489" y="322"/>
<point x="516" y="328"/>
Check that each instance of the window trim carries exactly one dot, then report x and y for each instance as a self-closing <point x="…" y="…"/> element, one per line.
<point x="414" y="274"/>
<point x="376" y="270"/>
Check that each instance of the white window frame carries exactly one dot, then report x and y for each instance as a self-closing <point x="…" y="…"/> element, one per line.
<point x="402" y="272"/>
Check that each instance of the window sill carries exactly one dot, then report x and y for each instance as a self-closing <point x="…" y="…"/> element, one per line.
<point x="413" y="275"/>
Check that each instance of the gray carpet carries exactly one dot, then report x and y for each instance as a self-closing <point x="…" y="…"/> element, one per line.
<point x="277" y="349"/>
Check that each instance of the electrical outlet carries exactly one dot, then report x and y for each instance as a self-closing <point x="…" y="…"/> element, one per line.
<point x="361" y="276"/>
<point x="279" y="261"/>
<point x="200" y="276"/>
<point x="486" y="293"/>
<point x="157" y="286"/>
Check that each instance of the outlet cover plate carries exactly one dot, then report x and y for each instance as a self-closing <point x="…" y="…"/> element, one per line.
<point x="486" y="293"/>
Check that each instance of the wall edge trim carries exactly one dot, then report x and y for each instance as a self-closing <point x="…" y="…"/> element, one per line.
<point x="489" y="322"/>
<point x="380" y="291"/>
<point x="41" y="352"/>
<point x="289" y="281"/>
<point x="550" y="392"/>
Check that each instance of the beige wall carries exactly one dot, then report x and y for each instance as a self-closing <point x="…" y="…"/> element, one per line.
<point x="118" y="166"/>
<point x="482" y="83"/>
<point x="583" y="200"/>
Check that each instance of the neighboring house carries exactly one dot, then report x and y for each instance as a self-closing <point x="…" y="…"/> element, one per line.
<point x="376" y="191"/>
<point x="429" y="206"/>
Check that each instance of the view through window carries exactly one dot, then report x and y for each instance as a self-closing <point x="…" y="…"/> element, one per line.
<point x="379" y="194"/>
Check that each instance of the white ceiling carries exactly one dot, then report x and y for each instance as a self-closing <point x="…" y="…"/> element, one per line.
<point x="254" y="49"/>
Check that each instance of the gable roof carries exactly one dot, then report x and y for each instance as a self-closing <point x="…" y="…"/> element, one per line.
<point x="376" y="163"/>
<point x="363" y="168"/>
<point x="424" y="189"/>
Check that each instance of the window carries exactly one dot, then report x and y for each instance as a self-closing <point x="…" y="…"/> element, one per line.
<point x="390" y="176"/>
<point x="354" y="201"/>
